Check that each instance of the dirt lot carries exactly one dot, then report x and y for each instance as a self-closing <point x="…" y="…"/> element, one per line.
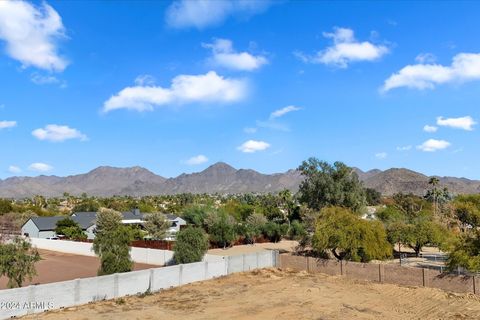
<point x="57" y="266"/>
<point x="284" y="246"/>
<point x="275" y="294"/>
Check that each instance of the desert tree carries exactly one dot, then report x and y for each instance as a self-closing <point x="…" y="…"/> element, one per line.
<point x="17" y="261"/>
<point x="112" y="243"/>
<point x="156" y="225"/>
<point x="190" y="246"/>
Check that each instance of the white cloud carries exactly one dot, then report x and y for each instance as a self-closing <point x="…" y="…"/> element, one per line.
<point x="425" y="58"/>
<point x="209" y="87"/>
<point x="204" y="13"/>
<point x="465" y="123"/>
<point x="7" y="124"/>
<point x="431" y="129"/>
<point x="404" y="148"/>
<point x="40" y="167"/>
<point x="464" y="67"/>
<point x="145" y="80"/>
<point x="345" y="49"/>
<point x="250" y="130"/>
<point x="14" y="169"/>
<point x="197" y="160"/>
<point x="283" y="111"/>
<point x="56" y="133"/>
<point x="46" y="79"/>
<point x="31" y="33"/>
<point x="224" y="55"/>
<point x="432" y="145"/>
<point x="381" y="155"/>
<point x="252" y="146"/>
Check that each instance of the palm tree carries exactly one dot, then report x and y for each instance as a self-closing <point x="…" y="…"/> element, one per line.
<point x="434" y="182"/>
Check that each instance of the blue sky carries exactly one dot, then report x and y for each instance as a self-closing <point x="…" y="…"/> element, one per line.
<point x="177" y="86"/>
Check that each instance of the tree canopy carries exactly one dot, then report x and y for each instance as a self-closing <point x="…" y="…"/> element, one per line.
<point x="330" y="185"/>
<point x="191" y="245"/>
<point x="348" y="237"/>
<point x="112" y="243"/>
<point x="17" y="261"/>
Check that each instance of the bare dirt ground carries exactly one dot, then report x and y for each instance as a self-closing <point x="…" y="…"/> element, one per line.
<point x="57" y="266"/>
<point x="284" y="245"/>
<point x="275" y="294"/>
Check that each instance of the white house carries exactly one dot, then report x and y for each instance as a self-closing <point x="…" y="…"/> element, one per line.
<point x="44" y="227"/>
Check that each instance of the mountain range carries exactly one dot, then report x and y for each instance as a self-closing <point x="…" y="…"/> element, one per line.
<point x="218" y="178"/>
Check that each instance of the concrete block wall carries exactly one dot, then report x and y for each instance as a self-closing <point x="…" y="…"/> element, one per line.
<point x="140" y="255"/>
<point x="16" y="302"/>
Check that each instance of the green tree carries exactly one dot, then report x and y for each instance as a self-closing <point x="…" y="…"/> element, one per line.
<point x="222" y="228"/>
<point x="191" y="245"/>
<point x="17" y="261"/>
<point x="348" y="237"/>
<point x="254" y="224"/>
<point x="330" y="185"/>
<point x="274" y="231"/>
<point x="157" y="225"/>
<point x="373" y="197"/>
<point x="5" y="206"/>
<point x="465" y="249"/>
<point x="112" y="243"/>
<point x="66" y="222"/>
<point x="195" y="215"/>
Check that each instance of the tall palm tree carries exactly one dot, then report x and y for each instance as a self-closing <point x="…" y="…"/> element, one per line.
<point x="434" y="182"/>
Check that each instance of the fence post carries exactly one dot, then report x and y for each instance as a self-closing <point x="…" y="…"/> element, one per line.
<point x="342" y="272"/>
<point x="381" y="272"/>
<point x="115" y="285"/>
<point x="206" y="270"/>
<point x="424" y="276"/>
<point x="151" y="281"/>
<point x="243" y="262"/>
<point x="180" y="274"/>
<point x="474" y="285"/>
<point x="77" y="291"/>
<point x="31" y="297"/>
<point x="256" y="254"/>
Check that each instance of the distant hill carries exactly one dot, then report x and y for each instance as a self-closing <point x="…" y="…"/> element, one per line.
<point x="218" y="178"/>
<point x="396" y="180"/>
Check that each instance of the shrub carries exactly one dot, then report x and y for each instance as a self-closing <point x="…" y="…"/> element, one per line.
<point x="191" y="245"/>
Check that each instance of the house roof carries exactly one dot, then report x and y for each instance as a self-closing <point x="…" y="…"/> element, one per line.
<point x="87" y="219"/>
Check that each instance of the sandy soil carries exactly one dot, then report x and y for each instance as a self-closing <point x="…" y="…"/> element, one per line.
<point x="284" y="245"/>
<point x="275" y="294"/>
<point x="57" y="266"/>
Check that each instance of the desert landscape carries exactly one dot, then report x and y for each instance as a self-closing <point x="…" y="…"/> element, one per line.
<point x="274" y="294"/>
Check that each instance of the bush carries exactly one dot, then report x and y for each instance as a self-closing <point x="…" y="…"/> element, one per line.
<point x="191" y="245"/>
<point x="296" y="230"/>
<point x="274" y="231"/>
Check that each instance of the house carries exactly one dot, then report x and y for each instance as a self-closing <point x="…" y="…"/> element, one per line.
<point x="44" y="227"/>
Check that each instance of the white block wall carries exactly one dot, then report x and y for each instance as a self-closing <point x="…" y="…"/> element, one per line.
<point x="82" y="291"/>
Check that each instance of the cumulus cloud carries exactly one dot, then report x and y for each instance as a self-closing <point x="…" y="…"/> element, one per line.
<point x="56" y="133"/>
<point x="7" y="124"/>
<point x="464" y="123"/>
<point x="204" y="13"/>
<point x="14" y="169"/>
<point x="345" y="49"/>
<point x="40" y="167"/>
<point x="197" y="160"/>
<point x="381" y="155"/>
<point x="31" y="34"/>
<point x="429" y="128"/>
<point x="283" y="111"/>
<point x="465" y="67"/>
<point x="209" y="87"/>
<point x="252" y="146"/>
<point x="225" y="56"/>
<point x="404" y="148"/>
<point x="432" y="145"/>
